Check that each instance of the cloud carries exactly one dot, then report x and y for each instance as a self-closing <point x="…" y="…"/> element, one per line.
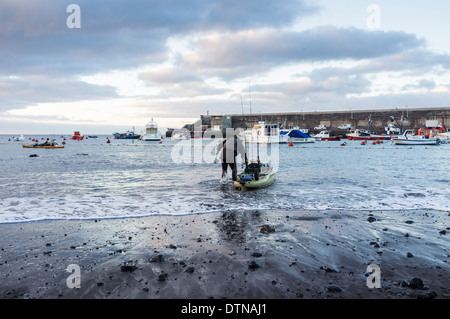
<point x="421" y="84"/>
<point x="240" y="54"/>
<point x="79" y="53"/>
<point x="400" y="99"/>
<point x="115" y="35"/>
<point x="182" y="17"/>
<point x="19" y="92"/>
<point x="174" y="82"/>
<point x="168" y="76"/>
<point x="178" y="58"/>
<point x="122" y="34"/>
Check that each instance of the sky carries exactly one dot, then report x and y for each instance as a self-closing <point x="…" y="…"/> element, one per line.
<point x="107" y="66"/>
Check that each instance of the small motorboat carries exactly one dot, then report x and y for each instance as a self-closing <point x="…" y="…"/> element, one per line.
<point x="358" y="134"/>
<point x="325" y="136"/>
<point x="408" y="138"/>
<point x="127" y="135"/>
<point x="295" y="136"/>
<point x="77" y="136"/>
<point x="263" y="133"/>
<point x="20" y="138"/>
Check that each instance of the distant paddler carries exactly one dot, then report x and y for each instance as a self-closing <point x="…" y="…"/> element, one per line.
<point x="47" y="142"/>
<point x="228" y="150"/>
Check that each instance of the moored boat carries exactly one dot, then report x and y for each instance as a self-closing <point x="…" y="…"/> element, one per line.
<point x="126" y="135"/>
<point x="180" y="136"/>
<point x="77" y="136"/>
<point x="325" y="136"/>
<point x="433" y="128"/>
<point x="408" y="138"/>
<point x="150" y="132"/>
<point x="445" y="136"/>
<point x="20" y="138"/>
<point x="295" y="136"/>
<point x="358" y="134"/>
<point x="263" y="133"/>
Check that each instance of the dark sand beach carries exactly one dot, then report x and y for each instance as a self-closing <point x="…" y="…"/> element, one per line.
<point x="233" y="255"/>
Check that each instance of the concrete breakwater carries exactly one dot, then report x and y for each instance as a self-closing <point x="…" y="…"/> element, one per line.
<point x="377" y="120"/>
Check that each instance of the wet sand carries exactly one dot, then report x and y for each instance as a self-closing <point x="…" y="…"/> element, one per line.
<point x="232" y="255"/>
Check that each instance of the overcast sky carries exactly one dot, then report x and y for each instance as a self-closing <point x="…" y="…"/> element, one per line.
<point x="173" y="60"/>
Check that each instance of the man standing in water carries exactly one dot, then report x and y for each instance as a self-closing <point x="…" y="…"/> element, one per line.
<point x="230" y="148"/>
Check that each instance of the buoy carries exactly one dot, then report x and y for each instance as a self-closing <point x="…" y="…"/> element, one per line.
<point x="373" y="143"/>
<point x="291" y="144"/>
<point x="363" y="143"/>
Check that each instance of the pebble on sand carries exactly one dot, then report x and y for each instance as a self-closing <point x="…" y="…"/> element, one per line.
<point x="267" y="229"/>
<point x="414" y="283"/>
<point x="334" y="288"/>
<point x="371" y="219"/>
<point x="254" y="265"/>
<point x="129" y="268"/>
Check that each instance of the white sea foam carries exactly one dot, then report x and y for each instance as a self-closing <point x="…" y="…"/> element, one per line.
<point x="176" y="203"/>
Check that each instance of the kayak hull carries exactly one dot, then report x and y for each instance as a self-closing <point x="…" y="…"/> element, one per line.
<point x="40" y="146"/>
<point x="263" y="181"/>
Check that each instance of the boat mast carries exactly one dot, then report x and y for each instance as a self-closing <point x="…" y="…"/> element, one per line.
<point x="369" y="122"/>
<point x="250" y="96"/>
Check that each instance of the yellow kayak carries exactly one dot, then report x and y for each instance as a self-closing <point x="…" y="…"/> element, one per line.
<point x="42" y="146"/>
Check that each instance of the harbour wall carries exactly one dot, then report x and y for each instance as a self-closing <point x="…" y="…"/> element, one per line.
<point x="362" y="119"/>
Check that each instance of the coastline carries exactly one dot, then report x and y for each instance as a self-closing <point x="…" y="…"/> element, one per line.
<point x="233" y="255"/>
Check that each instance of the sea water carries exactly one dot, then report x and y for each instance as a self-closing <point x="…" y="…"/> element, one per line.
<point x="92" y="179"/>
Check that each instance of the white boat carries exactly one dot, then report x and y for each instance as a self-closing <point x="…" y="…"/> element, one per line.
<point x="445" y="136"/>
<point x="408" y="138"/>
<point x="392" y="130"/>
<point x="182" y="135"/>
<point x="295" y="136"/>
<point x="284" y="137"/>
<point x="150" y="132"/>
<point x="358" y="134"/>
<point x="325" y="136"/>
<point x="20" y="138"/>
<point x="263" y="133"/>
